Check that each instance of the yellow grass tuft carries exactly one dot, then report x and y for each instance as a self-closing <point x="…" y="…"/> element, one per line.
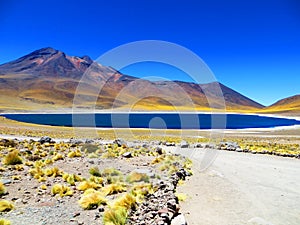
<point x="4" y="222"/>
<point x="84" y="185"/>
<point x="58" y="156"/>
<point x="115" y="216"/>
<point x="76" y="153"/>
<point x="6" y="206"/>
<point x="95" y="171"/>
<point x="71" y="178"/>
<point x="114" y="188"/>
<point x="54" y="172"/>
<point x="61" y="190"/>
<point x="181" y="196"/>
<point x="137" y="177"/>
<point x="12" y="158"/>
<point x="91" y="199"/>
<point x="126" y="201"/>
<point x="2" y="189"/>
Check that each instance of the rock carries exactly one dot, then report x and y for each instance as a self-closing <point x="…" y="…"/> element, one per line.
<point x="198" y="145"/>
<point x="127" y="155"/>
<point x="120" y="142"/>
<point x="159" y="150"/>
<point x="76" y="214"/>
<point x="184" y="144"/>
<point x="179" y="220"/>
<point x="169" y="144"/>
<point x="75" y="142"/>
<point x="45" y="139"/>
<point x="5" y="181"/>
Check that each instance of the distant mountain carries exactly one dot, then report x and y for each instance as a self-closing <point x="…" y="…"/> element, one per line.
<point x="289" y="105"/>
<point x="48" y="78"/>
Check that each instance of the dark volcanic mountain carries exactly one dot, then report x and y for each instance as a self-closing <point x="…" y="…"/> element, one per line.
<point x="49" y="78"/>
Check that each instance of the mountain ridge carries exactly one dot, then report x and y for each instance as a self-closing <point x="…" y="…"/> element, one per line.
<point x="49" y="78"/>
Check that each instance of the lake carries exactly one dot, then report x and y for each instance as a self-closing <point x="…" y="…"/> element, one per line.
<point x="155" y="120"/>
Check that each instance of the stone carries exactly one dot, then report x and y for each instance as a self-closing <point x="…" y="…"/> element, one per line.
<point x="159" y="150"/>
<point x="179" y="220"/>
<point x="120" y="142"/>
<point x="45" y="139"/>
<point x="184" y="144"/>
<point x="127" y="155"/>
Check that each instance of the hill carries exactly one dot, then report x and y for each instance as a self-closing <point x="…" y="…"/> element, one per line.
<point x="290" y="105"/>
<point x="48" y="79"/>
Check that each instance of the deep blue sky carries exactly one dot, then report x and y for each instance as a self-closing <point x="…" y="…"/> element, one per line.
<point x="252" y="46"/>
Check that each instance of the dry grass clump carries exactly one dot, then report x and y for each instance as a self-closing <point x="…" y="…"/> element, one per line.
<point x="54" y="172"/>
<point x="126" y="201"/>
<point x="71" y="178"/>
<point x="181" y="196"/>
<point x="139" y="191"/>
<point x="112" y="175"/>
<point x="18" y="167"/>
<point x="57" y="156"/>
<point x="61" y="190"/>
<point x="95" y="171"/>
<point x="137" y="177"/>
<point x="118" y="213"/>
<point x="4" y="222"/>
<point x="115" y="216"/>
<point x="12" y="158"/>
<point x="76" y="153"/>
<point x="6" y="206"/>
<point x="89" y="148"/>
<point x="84" y="185"/>
<point x="2" y="189"/>
<point x="114" y="188"/>
<point x="97" y="180"/>
<point x="91" y="199"/>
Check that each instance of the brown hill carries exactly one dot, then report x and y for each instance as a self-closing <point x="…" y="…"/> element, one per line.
<point x="290" y="105"/>
<point x="48" y="79"/>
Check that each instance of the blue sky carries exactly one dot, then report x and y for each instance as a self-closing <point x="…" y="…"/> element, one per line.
<point x="252" y="46"/>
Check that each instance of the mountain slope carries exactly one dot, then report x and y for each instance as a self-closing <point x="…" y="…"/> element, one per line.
<point x="48" y="79"/>
<point x="286" y="105"/>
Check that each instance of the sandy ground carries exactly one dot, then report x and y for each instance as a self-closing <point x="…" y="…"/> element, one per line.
<point x="241" y="188"/>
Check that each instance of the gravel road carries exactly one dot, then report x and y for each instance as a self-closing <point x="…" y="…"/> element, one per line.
<point x="243" y="188"/>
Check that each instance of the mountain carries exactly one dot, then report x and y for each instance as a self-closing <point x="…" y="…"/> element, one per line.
<point x="290" y="105"/>
<point x="48" y="79"/>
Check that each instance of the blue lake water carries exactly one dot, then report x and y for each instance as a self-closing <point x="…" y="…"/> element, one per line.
<point x="155" y="120"/>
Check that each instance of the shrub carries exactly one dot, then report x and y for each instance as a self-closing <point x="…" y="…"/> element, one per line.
<point x="114" y="188"/>
<point x="89" y="148"/>
<point x="97" y="180"/>
<point x="139" y="191"/>
<point x="71" y="178"/>
<point x="181" y="196"/>
<point x="137" y="177"/>
<point x="12" y="158"/>
<point x="4" y="222"/>
<point x="2" y="189"/>
<point x="58" y="156"/>
<point x="126" y="201"/>
<point x="95" y="171"/>
<point x="91" y="199"/>
<point x="5" y="206"/>
<point x="88" y="185"/>
<point x="54" y="172"/>
<point x="115" y="216"/>
<point x="76" y="153"/>
<point x="61" y="190"/>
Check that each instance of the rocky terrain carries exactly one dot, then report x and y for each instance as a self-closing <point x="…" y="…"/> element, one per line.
<point x="89" y="182"/>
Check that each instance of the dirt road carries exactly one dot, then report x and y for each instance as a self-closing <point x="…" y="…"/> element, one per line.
<point x="242" y="188"/>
